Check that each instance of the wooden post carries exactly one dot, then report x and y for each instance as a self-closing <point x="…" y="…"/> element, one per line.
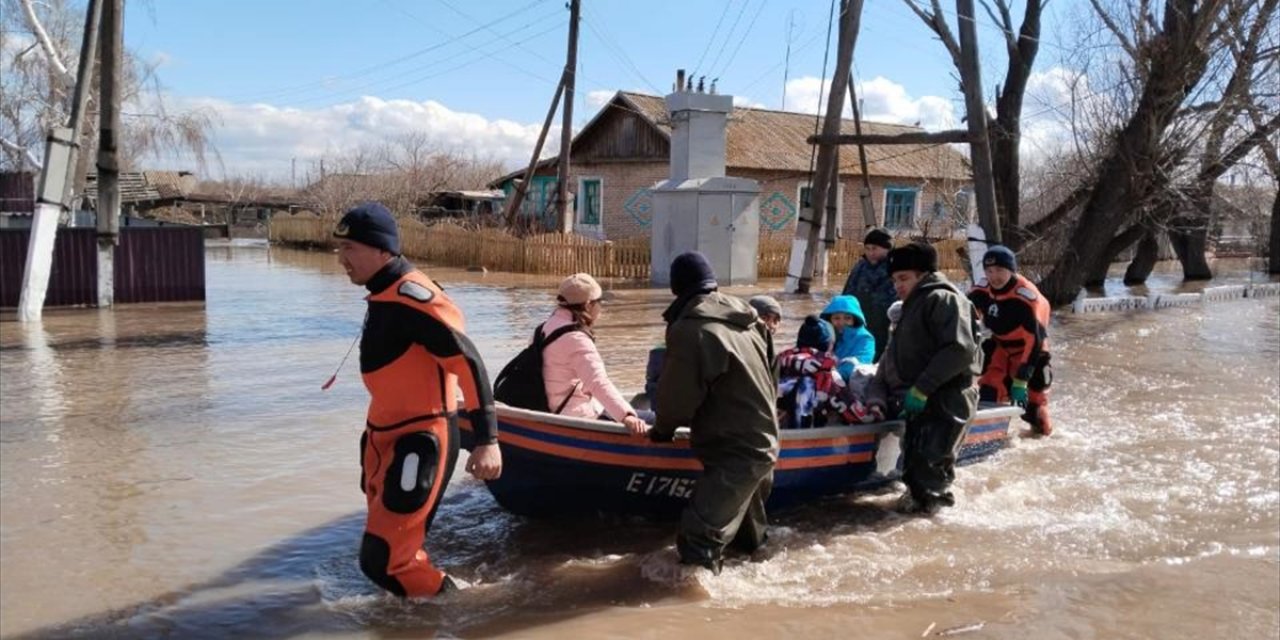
<point x="517" y="196"/>
<point x="112" y="43"/>
<point x="864" y="194"/>
<point x="979" y="144"/>
<point x="807" y="231"/>
<point x="564" y="210"/>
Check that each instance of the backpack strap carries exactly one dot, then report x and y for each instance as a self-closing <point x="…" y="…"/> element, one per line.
<point x="543" y="341"/>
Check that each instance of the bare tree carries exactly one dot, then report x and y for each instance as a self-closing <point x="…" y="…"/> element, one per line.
<point x="39" y="46"/>
<point x="1005" y="132"/>
<point x="1169" y="61"/>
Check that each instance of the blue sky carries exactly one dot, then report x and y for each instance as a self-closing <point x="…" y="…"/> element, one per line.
<point x="299" y="79"/>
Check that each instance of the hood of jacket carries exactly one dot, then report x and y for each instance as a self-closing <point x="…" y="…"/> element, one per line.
<point x="719" y="307"/>
<point x="844" y="304"/>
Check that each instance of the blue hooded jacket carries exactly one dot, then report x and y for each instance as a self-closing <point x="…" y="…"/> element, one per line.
<point x="852" y="342"/>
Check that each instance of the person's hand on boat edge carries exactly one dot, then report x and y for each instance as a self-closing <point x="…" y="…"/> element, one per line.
<point x="635" y="425"/>
<point x="485" y="462"/>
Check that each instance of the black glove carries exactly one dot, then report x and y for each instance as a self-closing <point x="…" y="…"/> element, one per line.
<point x="656" y="436"/>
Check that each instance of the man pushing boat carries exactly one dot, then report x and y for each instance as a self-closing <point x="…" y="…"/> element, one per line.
<point x="717" y="378"/>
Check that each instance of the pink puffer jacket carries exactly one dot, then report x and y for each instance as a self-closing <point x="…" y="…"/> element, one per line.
<point x="572" y="360"/>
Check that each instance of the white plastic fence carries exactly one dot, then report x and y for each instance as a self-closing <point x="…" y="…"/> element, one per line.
<point x="1168" y="300"/>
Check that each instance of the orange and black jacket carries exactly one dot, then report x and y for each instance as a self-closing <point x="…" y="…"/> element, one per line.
<point x="1018" y="316"/>
<point x="413" y="352"/>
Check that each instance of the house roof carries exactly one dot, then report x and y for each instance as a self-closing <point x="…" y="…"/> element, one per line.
<point x="134" y="188"/>
<point x="777" y="141"/>
<point x="769" y="140"/>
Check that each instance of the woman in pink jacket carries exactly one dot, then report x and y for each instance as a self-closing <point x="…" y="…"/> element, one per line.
<point x="571" y="365"/>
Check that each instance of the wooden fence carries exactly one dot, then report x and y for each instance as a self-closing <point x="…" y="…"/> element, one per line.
<point x="449" y="244"/>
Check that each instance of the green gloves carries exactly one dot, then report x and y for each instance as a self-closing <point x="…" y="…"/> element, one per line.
<point x="913" y="404"/>
<point x="1018" y="392"/>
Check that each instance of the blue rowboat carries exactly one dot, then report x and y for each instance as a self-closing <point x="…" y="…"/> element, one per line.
<point x="555" y="465"/>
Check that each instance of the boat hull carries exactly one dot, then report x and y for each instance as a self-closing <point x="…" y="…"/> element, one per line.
<point x="556" y="466"/>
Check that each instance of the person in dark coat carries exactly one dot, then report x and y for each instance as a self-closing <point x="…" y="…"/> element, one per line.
<point x="927" y="375"/>
<point x="869" y="282"/>
<point x="717" y="379"/>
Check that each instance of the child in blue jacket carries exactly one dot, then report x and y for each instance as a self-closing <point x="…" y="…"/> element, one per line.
<point x="854" y="344"/>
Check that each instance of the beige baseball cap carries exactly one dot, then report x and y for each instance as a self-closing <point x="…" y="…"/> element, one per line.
<point x="579" y="288"/>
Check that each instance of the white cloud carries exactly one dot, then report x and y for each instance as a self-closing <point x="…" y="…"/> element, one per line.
<point x="1047" y="110"/>
<point x="263" y="139"/>
<point x="883" y="100"/>
<point x="600" y="97"/>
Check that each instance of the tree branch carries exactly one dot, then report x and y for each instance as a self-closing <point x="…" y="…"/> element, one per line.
<point x="46" y="43"/>
<point x="938" y="24"/>
<point x="1115" y="30"/>
<point x="24" y="152"/>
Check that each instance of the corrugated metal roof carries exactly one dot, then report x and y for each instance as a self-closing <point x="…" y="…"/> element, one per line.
<point x="171" y="184"/>
<point x="776" y="141"/>
<point x="133" y="188"/>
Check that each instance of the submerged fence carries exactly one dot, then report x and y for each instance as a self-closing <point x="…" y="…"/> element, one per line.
<point x="452" y="245"/>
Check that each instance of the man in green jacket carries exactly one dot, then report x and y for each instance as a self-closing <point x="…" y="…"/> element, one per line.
<point x="927" y="375"/>
<point x="718" y="380"/>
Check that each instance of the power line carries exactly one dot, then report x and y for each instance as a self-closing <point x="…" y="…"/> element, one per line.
<point x="745" y="35"/>
<point x="729" y="35"/>
<point x="714" y="33"/>
<point x="613" y="48"/>
<point x="380" y="66"/>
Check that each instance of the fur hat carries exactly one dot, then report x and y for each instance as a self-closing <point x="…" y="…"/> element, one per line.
<point x="917" y="256"/>
<point x="879" y="237"/>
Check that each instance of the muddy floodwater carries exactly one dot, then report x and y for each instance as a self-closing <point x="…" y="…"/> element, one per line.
<point x="177" y="472"/>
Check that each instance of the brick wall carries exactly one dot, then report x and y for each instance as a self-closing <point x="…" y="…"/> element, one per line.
<point x="627" y="206"/>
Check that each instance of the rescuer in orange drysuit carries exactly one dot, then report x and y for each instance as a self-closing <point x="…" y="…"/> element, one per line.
<point x="1016" y="366"/>
<point x="413" y="354"/>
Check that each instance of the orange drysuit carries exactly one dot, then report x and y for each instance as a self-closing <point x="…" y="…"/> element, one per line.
<point x="1018" y="317"/>
<point x="412" y="356"/>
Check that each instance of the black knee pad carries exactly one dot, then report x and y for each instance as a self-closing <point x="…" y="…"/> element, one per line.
<point x="988" y="348"/>
<point x="412" y="473"/>
<point x="375" y="555"/>
<point x="364" y="442"/>
<point x="1042" y="378"/>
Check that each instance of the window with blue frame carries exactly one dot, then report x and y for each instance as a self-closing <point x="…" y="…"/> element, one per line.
<point x="900" y="207"/>
<point x="588" y="202"/>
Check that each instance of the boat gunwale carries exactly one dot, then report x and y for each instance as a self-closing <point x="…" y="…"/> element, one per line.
<point x="836" y="431"/>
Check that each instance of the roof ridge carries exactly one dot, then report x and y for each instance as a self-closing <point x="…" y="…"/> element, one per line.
<point x="880" y="123"/>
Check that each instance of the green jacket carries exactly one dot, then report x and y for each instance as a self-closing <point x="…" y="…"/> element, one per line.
<point x="718" y="380"/>
<point x="936" y="343"/>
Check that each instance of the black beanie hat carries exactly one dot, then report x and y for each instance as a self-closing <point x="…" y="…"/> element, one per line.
<point x="816" y="333"/>
<point x="371" y="224"/>
<point x="1000" y="256"/>
<point x="691" y="273"/>
<point x="879" y="237"/>
<point x="917" y="256"/>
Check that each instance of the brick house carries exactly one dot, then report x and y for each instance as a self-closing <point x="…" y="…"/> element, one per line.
<point x="624" y="151"/>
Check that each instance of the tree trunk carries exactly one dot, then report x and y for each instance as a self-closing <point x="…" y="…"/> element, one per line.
<point x="1177" y="62"/>
<point x="1274" y="248"/>
<point x="1096" y="275"/>
<point x="1189" y="235"/>
<point x="1144" y="261"/>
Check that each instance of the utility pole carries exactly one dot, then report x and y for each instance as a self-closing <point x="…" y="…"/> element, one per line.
<point x="112" y="44"/>
<point x="864" y="194"/>
<point x="804" y="249"/>
<point x="60" y="159"/>
<point x="564" y="209"/>
<point x="521" y="186"/>
<point x="979" y="143"/>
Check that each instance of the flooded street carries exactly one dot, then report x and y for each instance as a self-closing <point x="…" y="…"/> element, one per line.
<point x="177" y="472"/>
